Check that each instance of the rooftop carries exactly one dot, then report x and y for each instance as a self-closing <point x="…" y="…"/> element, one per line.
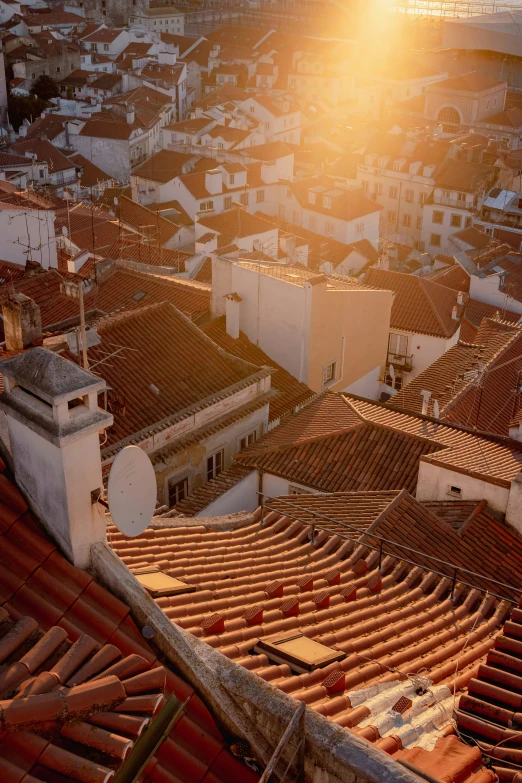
<point x="475" y="385"/>
<point x="419" y="305"/>
<point x="467" y="82"/>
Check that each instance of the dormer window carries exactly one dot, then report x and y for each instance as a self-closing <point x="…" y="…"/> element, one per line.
<point x="231" y="178"/>
<point x="397" y="165"/>
<point x="327" y="202"/>
<point x="311" y="197"/>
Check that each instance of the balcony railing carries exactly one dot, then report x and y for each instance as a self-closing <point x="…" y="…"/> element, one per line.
<point x="400" y="361"/>
<point x="457" y="203"/>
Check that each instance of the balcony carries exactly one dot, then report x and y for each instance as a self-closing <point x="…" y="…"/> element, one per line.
<point x="400" y="362"/>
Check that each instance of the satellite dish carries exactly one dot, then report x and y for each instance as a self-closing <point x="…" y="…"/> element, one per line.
<point x="131" y="492"/>
<point x="436" y="409"/>
<point x="65" y="231"/>
<point x="391" y="372"/>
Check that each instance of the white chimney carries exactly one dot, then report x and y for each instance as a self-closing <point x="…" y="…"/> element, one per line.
<point x="130" y="115"/>
<point x="454" y="313"/>
<point x="233" y="302"/>
<point x="54" y="423"/>
<point x="426" y="395"/>
<point x="269" y="173"/>
<point x="460" y="297"/>
<point x="214" y="181"/>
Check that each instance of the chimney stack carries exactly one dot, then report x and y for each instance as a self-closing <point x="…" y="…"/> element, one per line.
<point x="130" y="115"/>
<point x="460" y="297"/>
<point x="233" y="302"/>
<point x="454" y="313"/>
<point x="426" y="395"/>
<point x="54" y="423"/>
<point x="22" y="322"/>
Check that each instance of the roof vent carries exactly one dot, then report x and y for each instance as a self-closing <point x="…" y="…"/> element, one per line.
<point x="274" y="590"/>
<point x="253" y="615"/>
<point x="299" y="652"/>
<point x="154" y="389"/>
<point x="157" y="583"/>
<point x="213" y="624"/>
<point x="335" y="682"/>
<point x="333" y="577"/>
<point x="402" y="706"/>
<point x="360" y="567"/>
<point x="290" y="607"/>
<point x="374" y="584"/>
<point x="322" y="599"/>
<point x="305" y="584"/>
<point x="349" y="594"/>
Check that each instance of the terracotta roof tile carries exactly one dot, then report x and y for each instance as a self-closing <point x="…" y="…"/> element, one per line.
<point x="157" y="228"/>
<point x="167" y="164"/>
<point x="474" y="385"/>
<point x="475" y="312"/>
<point x="419" y="305"/>
<point x="452" y="276"/>
<point x="155" y="374"/>
<point x="74" y="702"/>
<point x="388" y="620"/>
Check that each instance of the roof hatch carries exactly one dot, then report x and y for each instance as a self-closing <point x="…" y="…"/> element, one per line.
<point x="158" y="584"/>
<point x="298" y="651"/>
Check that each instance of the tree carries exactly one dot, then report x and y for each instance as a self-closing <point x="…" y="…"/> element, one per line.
<point x="45" y="88"/>
<point x="21" y="107"/>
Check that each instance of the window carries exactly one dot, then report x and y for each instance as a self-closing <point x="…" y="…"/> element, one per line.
<point x="419" y="222"/>
<point x="456" y="491"/>
<point x="422" y="198"/>
<point x="293" y="489"/>
<point x="231" y="178"/>
<point x="435" y="240"/>
<point x="252" y="109"/>
<point x="394" y="192"/>
<point x="456" y="221"/>
<point x="392" y="216"/>
<point x="330" y="228"/>
<point x="260" y="196"/>
<point x="311" y="197"/>
<point x="57" y="69"/>
<point x="398" y="344"/>
<point x="408" y="196"/>
<point x="327" y="202"/>
<point x="438" y="217"/>
<point x="468" y="222"/>
<point x="329" y="373"/>
<point x="378" y="188"/>
<point x="206" y="205"/>
<point x="364" y="186"/>
<point x="449" y="115"/>
<point x="215" y="464"/>
<point x="227" y="203"/>
<point x="105" y="47"/>
<point x="406" y="220"/>
<point x="244" y="199"/>
<point x="359" y="228"/>
<point x="177" y="489"/>
<point x="494" y="101"/>
<point x="247" y="440"/>
<point x="220" y="145"/>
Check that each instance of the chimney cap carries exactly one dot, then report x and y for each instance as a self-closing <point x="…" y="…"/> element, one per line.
<point x="51" y="377"/>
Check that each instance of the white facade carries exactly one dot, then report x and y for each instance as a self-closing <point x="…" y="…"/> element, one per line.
<point x="446" y="215"/>
<point x="28" y="234"/>
<point x="488" y="290"/>
<point x="276" y="127"/>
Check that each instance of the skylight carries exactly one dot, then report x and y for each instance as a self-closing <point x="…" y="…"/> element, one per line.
<point x="298" y="651"/>
<point x="157" y="584"/>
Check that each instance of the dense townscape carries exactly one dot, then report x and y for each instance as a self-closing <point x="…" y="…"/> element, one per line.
<point x="260" y="391"/>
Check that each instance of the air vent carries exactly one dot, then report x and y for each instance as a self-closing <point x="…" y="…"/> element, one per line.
<point x="157" y="584"/>
<point x="299" y="652"/>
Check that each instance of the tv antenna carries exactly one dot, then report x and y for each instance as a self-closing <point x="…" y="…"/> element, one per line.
<point x="131" y="492"/>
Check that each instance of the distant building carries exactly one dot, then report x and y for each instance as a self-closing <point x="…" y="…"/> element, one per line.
<point x="159" y="19"/>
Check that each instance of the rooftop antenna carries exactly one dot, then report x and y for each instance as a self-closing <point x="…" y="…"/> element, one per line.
<point x="131" y="491"/>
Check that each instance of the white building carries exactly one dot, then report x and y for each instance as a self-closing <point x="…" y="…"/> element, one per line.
<point x="162" y="19"/>
<point x="280" y="117"/>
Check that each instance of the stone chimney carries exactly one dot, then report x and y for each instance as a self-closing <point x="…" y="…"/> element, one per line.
<point x="54" y="422"/>
<point x="22" y="322"/>
<point x="233" y="302"/>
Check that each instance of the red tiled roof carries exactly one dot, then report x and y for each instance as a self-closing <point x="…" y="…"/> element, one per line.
<point x="475" y="312"/>
<point x="116" y="290"/>
<point x="166" y="366"/>
<point x="155" y="227"/>
<point x="45" y="151"/>
<point x="390" y="620"/>
<point x="289" y="392"/>
<point x="90" y="175"/>
<point x="451" y="276"/>
<point x="76" y="665"/>
<point x="419" y="305"/>
<point x="467" y="82"/>
<point x="141" y="252"/>
<point x="167" y="164"/>
<point x="475" y="385"/>
<point x="369" y="446"/>
<point x="234" y="223"/>
<point x="103" y="35"/>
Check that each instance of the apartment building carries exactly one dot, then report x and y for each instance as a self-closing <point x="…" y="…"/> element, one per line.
<point x="160" y="19"/>
<point x="399" y="174"/>
<point x="329" y="332"/>
<point x="280" y="117"/>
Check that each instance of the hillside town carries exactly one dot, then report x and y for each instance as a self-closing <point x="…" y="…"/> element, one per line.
<point x="260" y="391"/>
